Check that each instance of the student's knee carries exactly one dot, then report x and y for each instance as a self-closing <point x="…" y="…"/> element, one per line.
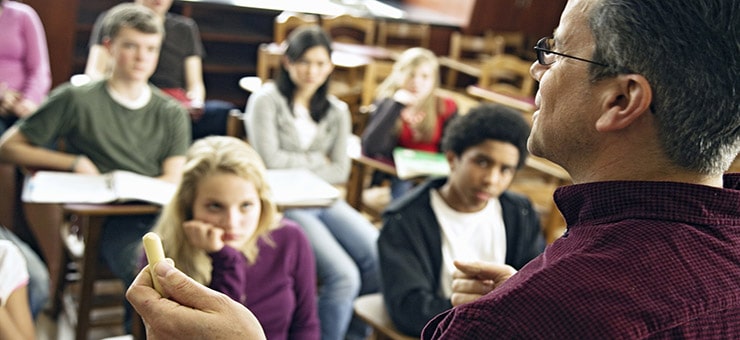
<point x="343" y="284"/>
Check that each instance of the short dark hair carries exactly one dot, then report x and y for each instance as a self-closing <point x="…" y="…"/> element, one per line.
<point x="131" y="15"/>
<point x="688" y="51"/>
<point x="487" y="122"/>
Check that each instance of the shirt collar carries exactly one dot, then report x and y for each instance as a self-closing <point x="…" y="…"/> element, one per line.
<point x="606" y="202"/>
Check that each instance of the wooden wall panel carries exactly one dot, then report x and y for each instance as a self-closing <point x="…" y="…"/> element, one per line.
<point x="59" y="18"/>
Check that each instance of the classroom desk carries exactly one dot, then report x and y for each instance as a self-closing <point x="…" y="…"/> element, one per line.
<point x="89" y="218"/>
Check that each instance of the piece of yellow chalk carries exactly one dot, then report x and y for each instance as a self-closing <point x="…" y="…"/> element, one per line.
<point x="154" y="254"/>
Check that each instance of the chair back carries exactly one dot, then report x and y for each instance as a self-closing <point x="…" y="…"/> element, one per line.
<point x="399" y="36"/>
<point x="268" y="61"/>
<point x="287" y="21"/>
<point x="507" y="74"/>
<point x="475" y="47"/>
<point x="514" y="41"/>
<point x="347" y="28"/>
<point x="471" y="51"/>
<point x="375" y="73"/>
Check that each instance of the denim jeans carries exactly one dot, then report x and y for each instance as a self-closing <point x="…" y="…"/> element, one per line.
<point x="344" y="243"/>
<point x="38" y="274"/>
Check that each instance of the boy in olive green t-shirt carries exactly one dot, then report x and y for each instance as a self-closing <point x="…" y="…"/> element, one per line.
<point x="120" y="123"/>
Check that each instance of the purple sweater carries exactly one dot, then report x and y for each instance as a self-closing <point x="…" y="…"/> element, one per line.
<point x="280" y="288"/>
<point x="24" y="59"/>
<point x="655" y="260"/>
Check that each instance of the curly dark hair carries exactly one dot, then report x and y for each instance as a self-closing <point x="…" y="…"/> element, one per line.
<point x="484" y="122"/>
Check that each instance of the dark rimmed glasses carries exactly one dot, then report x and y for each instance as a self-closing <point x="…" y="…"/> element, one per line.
<point x="546" y="56"/>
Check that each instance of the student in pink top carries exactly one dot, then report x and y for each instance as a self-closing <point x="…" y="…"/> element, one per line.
<point x="25" y="79"/>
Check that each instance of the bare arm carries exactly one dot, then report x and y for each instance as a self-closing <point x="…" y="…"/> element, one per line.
<point x="98" y="61"/>
<point x="172" y="168"/>
<point x="195" y="88"/>
<point x="16" y="321"/>
<point x="15" y="148"/>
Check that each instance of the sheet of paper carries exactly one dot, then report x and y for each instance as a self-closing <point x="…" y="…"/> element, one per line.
<point x="300" y="187"/>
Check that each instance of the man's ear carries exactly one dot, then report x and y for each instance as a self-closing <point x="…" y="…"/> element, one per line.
<point x="626" y="98"/>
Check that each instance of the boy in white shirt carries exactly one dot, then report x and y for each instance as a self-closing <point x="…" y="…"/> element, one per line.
<point x="468" y="215"/>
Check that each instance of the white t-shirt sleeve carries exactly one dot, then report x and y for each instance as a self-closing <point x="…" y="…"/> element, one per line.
<point x="13" y="271"/>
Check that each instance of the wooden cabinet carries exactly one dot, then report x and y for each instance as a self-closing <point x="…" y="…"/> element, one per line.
<point x="231" y="36"/>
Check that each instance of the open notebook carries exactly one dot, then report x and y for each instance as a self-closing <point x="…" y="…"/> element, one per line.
<point x="115" y="186"/>
<point x="290" y="187"/>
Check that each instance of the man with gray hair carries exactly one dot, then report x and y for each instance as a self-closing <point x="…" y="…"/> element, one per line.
<point x="638" y="100"/>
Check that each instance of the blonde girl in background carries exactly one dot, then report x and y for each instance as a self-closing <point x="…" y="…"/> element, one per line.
<point x="407" y="106"/>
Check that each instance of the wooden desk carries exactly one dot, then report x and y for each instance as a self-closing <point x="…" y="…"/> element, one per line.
<point x="522" y="104"/>
<point x="362" y="166"/>
<point x="90" y="219"/>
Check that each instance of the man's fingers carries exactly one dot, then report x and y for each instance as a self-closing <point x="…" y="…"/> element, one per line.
<point x="184" y="290"/>
<point x="481" y="287"/>
<point x="461" y="298"/>
<point x="483" y="271"/>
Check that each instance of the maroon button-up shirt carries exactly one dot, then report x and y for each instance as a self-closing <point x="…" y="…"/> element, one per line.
<point x="639" y="260"/>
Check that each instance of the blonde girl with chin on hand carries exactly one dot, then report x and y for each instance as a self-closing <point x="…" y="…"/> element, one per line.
<point x="222" y="228"/>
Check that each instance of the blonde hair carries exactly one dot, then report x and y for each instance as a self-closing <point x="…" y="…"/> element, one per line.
<point x="207" y="157"/>
<point x="403" y="69"/>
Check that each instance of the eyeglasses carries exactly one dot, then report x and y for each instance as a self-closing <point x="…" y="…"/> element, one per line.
<point x="546" y="56"/>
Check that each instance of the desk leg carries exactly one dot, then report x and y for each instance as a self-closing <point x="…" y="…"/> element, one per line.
<point x="355" y="185"/>
<point x="91" y="230"/>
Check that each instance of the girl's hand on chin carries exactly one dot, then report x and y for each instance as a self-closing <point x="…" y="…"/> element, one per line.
<point x="204" y="235"/>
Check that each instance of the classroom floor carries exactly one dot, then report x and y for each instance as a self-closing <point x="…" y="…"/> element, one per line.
<point x="49" y="329"/>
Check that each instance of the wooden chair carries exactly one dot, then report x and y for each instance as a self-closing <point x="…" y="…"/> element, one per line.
<point x="399" y="36"/>
<point x="507" y="74"/>
<point x="287" y="21"/>
<point x="373" y="202"/>
<point x="471" y="51"/>
<point x="89" y="218"/>
<point x="538" y="180"/>
<point x="371" y="309"/>
<point x="375" y="73"/>
<point x="347" y="28"/>
<point x="513" y="41"/>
